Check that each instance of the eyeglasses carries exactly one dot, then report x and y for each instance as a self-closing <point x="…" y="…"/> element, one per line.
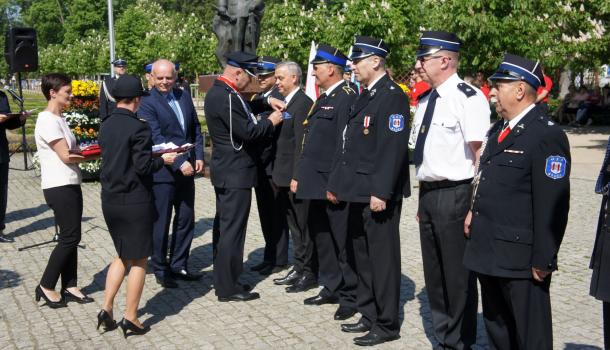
<point x="425" y="59"/>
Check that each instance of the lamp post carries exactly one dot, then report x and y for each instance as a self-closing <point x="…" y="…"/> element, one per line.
<point x="111" y="34"/>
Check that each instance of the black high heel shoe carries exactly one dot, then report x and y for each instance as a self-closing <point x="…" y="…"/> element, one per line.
<point x="52" y="304"/>
<point x="127" y="325"/>
<point x="71" y="297"/>
<point x="105" y="318"/>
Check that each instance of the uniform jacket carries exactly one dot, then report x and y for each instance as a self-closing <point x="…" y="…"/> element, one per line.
<point x="268" y="146"/>
<point x="12" y="123"/>
<point x="290" y="140"/>
<point x="323" y="130"/>
<point x="127" y="161"/>
<point x="233" y="163"/>
<point x="521" y="206"/>
<point x="374" y="161"/>
<point x="106" y="105"/>
<point x="165" y="127"/>
<point x="600" y="258"/>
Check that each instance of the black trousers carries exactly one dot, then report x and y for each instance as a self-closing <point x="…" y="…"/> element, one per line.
<point x="327" y="224"/>
<point x="229" y="236"/>
<point x="517" y="313"/>
<point x="376" y="241"/>
<point x="451" y="288"/>
<point x="3" y="192"/>
<point x="274" y="226"/>
<point x="67" y="205"/>
<point x="296" y="212"/>
<point x="178" y="197"/>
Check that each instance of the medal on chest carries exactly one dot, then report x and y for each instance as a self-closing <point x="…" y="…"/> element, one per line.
<point x="367" y="122"/>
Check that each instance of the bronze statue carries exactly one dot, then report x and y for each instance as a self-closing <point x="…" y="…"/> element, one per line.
<point x="237" y="26"/>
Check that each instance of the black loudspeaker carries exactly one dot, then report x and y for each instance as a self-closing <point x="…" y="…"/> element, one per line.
<point x="21" y="50"/>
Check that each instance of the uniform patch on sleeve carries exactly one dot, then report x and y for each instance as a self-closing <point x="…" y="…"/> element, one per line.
<point x="396" y="122"/>
<point x="555" y="167"/>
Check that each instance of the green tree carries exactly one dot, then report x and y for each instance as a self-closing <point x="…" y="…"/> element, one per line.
<point x="85" y="17"/>
<point x="48" y="17"/>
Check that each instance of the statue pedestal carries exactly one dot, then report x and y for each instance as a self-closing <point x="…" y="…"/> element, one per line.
<point x="206" y="82"/>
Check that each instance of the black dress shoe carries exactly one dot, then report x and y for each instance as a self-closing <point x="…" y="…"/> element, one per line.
<point x="372" y="338"/>
<point x="260" y="266"/>
<point x="321" y="299"/>
<point x="104" y="318"/>
<point x="39" y="293"/>
<point x="245" y="287"/>
<point x="167" y="282"/>
<point x="6" y="239"/>
<point x="271" y="269"/>
<point x="71" y="297"/>
<point x="245" y="296"/>
<point x="289" y="279"/>
<point x="127" y="325"/>
<point x="186" y="276"/>
<point x="359" y="327"/>
<point x="344" y="312"/>
<point x="305" y="283"/>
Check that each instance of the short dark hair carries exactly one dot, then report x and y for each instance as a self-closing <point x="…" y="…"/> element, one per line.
<point x="125" y="99"/>
<point x="54" y="81"/>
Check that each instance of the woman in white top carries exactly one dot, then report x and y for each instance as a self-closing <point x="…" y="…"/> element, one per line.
<point x="61" y="179"/>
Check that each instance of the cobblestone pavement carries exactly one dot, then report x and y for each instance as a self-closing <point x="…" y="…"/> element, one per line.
<point x="191" y="316"/>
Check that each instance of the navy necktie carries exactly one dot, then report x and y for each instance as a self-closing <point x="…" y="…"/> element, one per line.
<point x="418" y="155"/>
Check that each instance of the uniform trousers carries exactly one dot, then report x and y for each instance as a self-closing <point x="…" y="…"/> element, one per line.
<point x="229" y="236"/>
<point x="3" y="192"/>
<point x="274" y="226"/>
<point x="451" y="288"/>
<point x="296" y="212"/>
<point x="67" y="205"/>
<point x="327" y="225"/>
<point x="376" y="242"/>
<point x="179" y="197"/>
<point x="606" y="316"/>
<point x="517" y="313"/>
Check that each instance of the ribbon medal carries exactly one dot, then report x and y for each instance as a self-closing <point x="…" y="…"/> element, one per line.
<point x="367" y="122"/>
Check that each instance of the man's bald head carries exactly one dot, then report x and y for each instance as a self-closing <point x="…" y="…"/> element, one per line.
<point x="164" y="75"/>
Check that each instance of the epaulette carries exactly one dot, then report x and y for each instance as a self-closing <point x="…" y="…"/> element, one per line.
<point x="466" y="89"/>
<point x="348" y="90"/>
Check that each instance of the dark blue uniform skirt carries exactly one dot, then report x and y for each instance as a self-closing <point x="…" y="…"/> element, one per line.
<point x="130" y="224"/>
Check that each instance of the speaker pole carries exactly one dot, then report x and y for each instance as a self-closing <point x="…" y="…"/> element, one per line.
<point x="111" y="34"/>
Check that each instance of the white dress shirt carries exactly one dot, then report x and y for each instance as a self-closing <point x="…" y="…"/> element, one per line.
<point x="457" y="120"/>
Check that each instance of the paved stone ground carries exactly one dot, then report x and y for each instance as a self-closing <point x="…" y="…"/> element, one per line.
<point x="191" y="316"/>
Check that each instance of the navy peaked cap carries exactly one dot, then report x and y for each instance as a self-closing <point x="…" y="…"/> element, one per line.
<point x="434" y="41"/>
<point x="266" y="65"/>
<point x="514" y="67"/>
<point x="328" y="54"/>
<point x="365" y="46"/>
<point x="119" y="62"/>
<point x="243" y="60"/>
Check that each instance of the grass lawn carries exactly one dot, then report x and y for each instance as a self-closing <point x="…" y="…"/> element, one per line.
<point x="32" y="100"/>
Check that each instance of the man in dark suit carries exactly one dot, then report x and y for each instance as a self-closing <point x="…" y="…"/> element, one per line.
<point x="107" y="102"/>
<point x="519" y="211"/>
<point x="275" y="228"/>
<point x="289" y="143"/>
<point x="236" y="134"/>
<point x="327" y="223"/>
<point x="171" y="115"/>
<point x="371" y="173"/>
<point x="5" y="123"/>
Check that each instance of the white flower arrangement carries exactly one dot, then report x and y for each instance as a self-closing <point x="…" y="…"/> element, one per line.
<point x="91" y="167"/>
<point x="74" y="119"/>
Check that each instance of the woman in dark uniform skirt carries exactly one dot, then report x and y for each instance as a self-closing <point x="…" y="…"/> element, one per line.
<point x="600" y="259"/>
<point x="126" y="177"/>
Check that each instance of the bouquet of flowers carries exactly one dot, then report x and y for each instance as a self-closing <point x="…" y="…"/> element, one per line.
<point x="83" y="118"/>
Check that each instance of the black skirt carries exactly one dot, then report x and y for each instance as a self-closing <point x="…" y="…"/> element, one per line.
<point x="130" y="223"/>
<point x="600" y="259"/>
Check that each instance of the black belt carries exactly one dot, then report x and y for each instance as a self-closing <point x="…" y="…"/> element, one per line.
<point x="434" y="185"/>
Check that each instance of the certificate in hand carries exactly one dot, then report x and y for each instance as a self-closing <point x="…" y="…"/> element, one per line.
<point x="92" y="150"/>
<point x="170" y="147"/>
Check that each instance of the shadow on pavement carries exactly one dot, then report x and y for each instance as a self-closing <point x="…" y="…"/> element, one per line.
<point x="202" y="226"/>
<point x="9" y="279"/>
<point x="25" y="213"/>
<point x="41" y="224"/>
<point x="573" y="346"/>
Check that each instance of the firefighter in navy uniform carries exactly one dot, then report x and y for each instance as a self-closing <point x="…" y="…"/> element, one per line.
<point x="327" y="222"/>
<point x="235" y="135"/>
<point x="519" y="211"/>
<point x="371" y="173"/>
<point x="274" y="227"/>
<point x="107" y="102"/>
